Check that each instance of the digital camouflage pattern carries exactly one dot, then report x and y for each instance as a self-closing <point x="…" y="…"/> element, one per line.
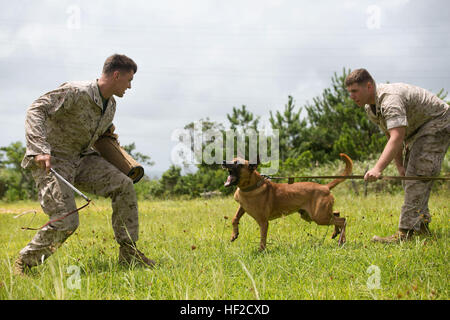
<point x="424" y="158"/>
<point x="427" y="139"/>
<point x="401" y="104"/>
<point x="65" y="123"/>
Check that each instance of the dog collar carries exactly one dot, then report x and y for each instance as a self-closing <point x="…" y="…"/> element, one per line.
<point x="254" y="187"/>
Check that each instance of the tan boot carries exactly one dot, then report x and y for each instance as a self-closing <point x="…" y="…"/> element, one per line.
<point x="20" y="268"/>
<point x="400" y="235"/>
<point x="129" y="254"/>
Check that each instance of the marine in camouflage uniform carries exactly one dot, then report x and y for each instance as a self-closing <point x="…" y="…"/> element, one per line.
<point x="426" y="120"/>
<point x="65" y="123"/>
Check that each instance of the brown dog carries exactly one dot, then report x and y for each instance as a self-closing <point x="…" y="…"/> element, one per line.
<point x="265" y="200"/>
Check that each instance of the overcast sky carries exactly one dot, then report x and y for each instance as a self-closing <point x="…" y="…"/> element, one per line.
<point x="199" y="58"/>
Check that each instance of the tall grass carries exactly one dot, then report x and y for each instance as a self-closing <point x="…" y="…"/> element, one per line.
<point x="190" y="241"/>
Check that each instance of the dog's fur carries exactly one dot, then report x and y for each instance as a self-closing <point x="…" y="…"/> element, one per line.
<point x="265" y="200"/>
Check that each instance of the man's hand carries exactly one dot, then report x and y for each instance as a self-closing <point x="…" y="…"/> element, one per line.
<point x="43" y="161"/>
<point x="372" y="175"/>
<point x="391" y="150"/>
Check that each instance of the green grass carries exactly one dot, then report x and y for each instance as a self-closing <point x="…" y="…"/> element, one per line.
<point x="190" y="241"/>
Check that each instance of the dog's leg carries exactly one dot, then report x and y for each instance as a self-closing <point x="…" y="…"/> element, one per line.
<point x="305" y="215"/>
<point x="340" y="224"/>
<point x="336" y="229"/>
<point x="235" y="222"/>
<point x="342" y="237"/>
<point x="263" y="228"/>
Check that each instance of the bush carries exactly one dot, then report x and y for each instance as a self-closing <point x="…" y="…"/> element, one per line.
<point x="175" y="185"/>
<point x="10" y="187"/>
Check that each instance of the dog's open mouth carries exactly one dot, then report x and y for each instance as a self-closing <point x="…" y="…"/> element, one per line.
<point x="233" y="173"/>
<point x="231" y="180"/>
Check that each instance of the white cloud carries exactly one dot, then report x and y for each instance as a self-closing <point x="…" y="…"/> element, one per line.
<point x="200" y="58"/>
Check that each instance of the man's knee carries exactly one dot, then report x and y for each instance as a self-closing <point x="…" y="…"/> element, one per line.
<point x="66" y="224"/>
<point x="122" y="184"/>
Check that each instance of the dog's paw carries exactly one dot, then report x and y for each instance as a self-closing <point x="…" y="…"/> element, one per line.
<point x="335" y="233"/>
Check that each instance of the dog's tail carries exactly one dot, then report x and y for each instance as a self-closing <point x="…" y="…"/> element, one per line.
<point x="347" y="171"/>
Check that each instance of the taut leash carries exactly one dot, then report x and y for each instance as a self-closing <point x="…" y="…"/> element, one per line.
<point x="362" y="177"/>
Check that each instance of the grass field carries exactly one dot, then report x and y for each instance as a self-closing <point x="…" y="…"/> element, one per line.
<point x="190" y="241"/>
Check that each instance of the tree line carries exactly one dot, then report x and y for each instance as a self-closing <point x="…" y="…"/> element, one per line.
<point x="333" y="124"/>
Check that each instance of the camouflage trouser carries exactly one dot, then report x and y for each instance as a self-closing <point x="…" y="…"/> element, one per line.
<point x="91" y="174"/>
<point x="423" y="159"/>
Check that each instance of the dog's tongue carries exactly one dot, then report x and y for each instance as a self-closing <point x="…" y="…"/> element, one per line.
<point x="229" y="179"/>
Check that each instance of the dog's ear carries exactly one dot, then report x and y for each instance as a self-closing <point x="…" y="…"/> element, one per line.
<point x="252" y="166"/>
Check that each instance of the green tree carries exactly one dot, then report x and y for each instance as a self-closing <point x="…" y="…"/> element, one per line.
<point x="291" y="130"/>
<point x="243" y="119"/>
<point x="206" y="126"/>
<point x="170" y="178"/>
<point x="16" y="182"/>
<point x="139" y="157"/>
<point x="243" y="123"/>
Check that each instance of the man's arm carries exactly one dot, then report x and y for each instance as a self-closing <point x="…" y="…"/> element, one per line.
<point x="392" y="150"/>
<point x="35" y="125"/>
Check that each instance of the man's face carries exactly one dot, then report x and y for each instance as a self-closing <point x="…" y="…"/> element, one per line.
<point x="122" y="82"/>
<point x="360" y="93"/>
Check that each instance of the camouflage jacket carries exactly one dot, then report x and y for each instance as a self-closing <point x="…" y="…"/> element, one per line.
<point x="400" y="104"/>
<point x="67" y="121"/>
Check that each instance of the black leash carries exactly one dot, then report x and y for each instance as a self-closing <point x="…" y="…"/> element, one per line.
<point x="361" y="177"/>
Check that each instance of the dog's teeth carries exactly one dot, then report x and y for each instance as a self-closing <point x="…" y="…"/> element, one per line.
<point x="229" y="180"/>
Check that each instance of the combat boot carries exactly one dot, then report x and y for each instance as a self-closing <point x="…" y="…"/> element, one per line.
<point x="424" y="229"/>
<point x="400" y="235"/>
<point x="129" y="254"/>
<point x="20" y="268"/>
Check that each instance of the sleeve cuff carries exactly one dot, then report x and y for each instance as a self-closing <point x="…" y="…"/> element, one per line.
<point x="396" y="122"/>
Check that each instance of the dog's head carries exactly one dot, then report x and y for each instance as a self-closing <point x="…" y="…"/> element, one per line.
<point x="239" y="170"/>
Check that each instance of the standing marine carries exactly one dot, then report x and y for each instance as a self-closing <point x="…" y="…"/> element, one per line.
<point x="417" y="125"/>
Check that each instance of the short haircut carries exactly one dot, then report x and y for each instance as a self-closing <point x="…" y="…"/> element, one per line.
<point x="119" y="62"/>
<point x="359" y="76"/>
